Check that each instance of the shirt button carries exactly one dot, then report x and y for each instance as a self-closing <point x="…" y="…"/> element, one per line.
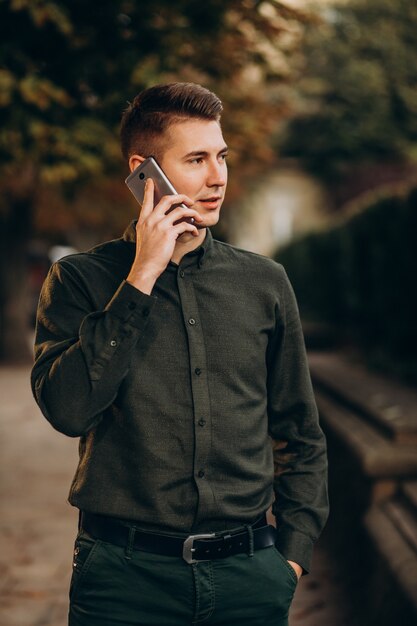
<point x="191" y="321"/>
<point x="145" y="312"/>
<point x="197" y="371"/>
<point x="201" y="474"/>
<point x="182" y="273"/>
<point x="131" y="305"/>
<point x="113" y="343"/>
<point x="202" y="422"/>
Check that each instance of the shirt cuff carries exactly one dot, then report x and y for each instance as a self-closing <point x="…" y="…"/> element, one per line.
<point x="131" y="305"/>
<point x="295" y="546"/>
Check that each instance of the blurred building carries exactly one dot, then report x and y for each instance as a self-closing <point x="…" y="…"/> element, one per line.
<point x="285" y="204"/>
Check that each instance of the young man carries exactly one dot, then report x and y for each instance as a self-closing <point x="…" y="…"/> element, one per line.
<point x="180" y="363"/>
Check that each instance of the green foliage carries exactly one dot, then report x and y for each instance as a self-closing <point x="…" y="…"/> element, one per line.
<point x="68" y="67"/>
<point x="359" y="277"/>
<point x="357" y="87"/>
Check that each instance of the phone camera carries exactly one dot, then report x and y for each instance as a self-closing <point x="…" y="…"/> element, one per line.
<point x="141" y="175"/>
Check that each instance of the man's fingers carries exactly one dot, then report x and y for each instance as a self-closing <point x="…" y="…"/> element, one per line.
<point x="169" y="219"/>
<point x="183" y="227"/>
<point x="166" y="204"/>
<point x="173" y="206"/>
<point x="148" y="199"/>
<point x="180" y="212"/>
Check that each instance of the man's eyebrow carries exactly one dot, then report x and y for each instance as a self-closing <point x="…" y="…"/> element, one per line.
<point x="203" y="152"/>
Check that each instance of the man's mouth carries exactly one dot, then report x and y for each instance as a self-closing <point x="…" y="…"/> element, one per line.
<point x="211" y="202"/>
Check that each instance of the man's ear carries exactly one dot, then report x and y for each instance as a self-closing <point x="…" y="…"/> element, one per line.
<point x="135" y="160"/>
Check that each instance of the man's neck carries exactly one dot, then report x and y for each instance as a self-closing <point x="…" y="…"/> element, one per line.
<point x="186" y="243"/>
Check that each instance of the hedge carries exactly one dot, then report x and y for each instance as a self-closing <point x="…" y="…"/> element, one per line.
<point x="360" y="277"/>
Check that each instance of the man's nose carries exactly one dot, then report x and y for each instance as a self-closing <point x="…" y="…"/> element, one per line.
<point x="216" y="175"/>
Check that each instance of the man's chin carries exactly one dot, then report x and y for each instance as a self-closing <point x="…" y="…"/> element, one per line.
<point x="209" y="219"/>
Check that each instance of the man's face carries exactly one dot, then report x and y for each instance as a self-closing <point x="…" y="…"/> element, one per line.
<point x="195" y="163"/>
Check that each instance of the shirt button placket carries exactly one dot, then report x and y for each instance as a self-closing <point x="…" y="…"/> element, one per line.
<point x="199" y="389"/>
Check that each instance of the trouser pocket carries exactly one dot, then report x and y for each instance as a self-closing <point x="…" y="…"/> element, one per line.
<point x="288" y="567"/>
<point x="86" y="551"/>
<point x="253" y="590"/>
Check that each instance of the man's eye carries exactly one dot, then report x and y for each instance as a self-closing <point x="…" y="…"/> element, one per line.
<point x="224" y="156"/>
<point x="197" y="160"/>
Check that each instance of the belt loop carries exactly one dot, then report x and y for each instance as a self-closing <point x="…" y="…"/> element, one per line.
<point x="130" y="542"/>
<point x="250" y="536"/>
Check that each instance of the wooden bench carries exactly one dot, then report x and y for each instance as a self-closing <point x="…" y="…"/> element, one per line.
<point x="371" y="425"/>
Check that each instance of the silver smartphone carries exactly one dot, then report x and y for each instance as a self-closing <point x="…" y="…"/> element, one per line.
<point x="163" y="186"/>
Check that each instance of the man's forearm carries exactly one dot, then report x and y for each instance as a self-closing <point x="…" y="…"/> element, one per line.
<point x="76" y="378"/>
<point x="300" y="482"/>
<point x="301" y="504"/>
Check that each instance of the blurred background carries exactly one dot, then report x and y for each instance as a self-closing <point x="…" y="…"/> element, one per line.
<point x="320" y="113"/>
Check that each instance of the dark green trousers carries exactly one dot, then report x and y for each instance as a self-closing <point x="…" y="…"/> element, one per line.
<point x="112" y="587"/>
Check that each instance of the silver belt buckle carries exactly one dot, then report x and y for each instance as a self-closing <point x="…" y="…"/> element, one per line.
<point x="188" y="547"/>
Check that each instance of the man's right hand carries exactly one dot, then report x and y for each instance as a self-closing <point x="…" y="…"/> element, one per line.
<point x="156" y="235"/>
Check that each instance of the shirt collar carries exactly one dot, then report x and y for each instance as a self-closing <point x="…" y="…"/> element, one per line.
<point x="195" y="257"/>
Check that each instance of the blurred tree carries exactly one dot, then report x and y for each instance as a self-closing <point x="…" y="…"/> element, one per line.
<point x="68" y="66"/>
<point x="357" y="88"/>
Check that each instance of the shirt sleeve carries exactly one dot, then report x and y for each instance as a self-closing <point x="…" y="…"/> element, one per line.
<point x="300" y="459"/>
<point x="81" y="354"/>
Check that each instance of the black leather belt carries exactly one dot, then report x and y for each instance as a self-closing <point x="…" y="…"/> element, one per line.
<point x="198" y="547"/>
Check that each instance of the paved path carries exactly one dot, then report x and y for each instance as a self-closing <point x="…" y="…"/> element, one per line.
<point x="37" y="525"/>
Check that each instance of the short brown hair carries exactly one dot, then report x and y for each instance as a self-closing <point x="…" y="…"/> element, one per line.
<point x="153" y="110"/>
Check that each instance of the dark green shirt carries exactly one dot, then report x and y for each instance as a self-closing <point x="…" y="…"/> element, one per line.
<point x="184" y="399"/>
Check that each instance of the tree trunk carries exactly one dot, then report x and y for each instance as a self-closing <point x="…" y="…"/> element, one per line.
<point x="15" y="230"/>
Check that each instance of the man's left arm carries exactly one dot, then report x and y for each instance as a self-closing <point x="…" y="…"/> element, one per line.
<point x="300" y="480"/>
